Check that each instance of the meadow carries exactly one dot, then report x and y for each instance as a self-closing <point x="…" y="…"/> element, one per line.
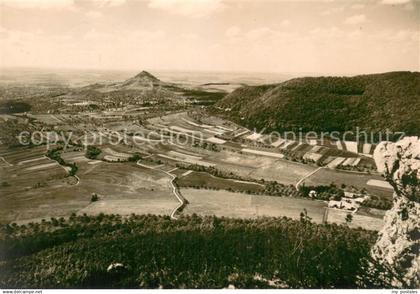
<point x="241" y="205"/>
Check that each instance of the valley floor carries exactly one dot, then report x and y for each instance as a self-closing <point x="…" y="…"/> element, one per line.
<point x="35" y="187"/>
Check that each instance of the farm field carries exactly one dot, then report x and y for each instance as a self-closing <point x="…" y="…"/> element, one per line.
<point x="241" y="205"/>
<point x="122" y="188"/>
<point x="58" y="198"/>
<point x="326" y="176"/>
<point x="257" y="166"/>
<point x="369" y="222"/>
<point x="261" y="167"/>
<point x="271" y="169"/>
<point x="21" y="154"/>
<point x="125" y="188"/>
<point x="26" y="180"/>
<point x="202" y="179"/>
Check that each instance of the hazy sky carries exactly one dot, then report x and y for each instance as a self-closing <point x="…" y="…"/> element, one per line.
<point x="322" y="36"/>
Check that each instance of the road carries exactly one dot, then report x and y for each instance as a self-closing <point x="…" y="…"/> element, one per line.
<point x="5" y="161"/>
<point x="307" y="176"/>
<point x="64" y="167"/>
<point x="175" y="191"/>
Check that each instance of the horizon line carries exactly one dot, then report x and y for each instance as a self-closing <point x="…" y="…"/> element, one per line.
<point x="81" y="69"/>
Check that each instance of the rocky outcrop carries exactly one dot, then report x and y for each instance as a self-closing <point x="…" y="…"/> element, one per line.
<point x="398" y="245"/>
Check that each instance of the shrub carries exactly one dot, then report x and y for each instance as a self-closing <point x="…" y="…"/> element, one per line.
<point x="92" y="152"/>
<point x="135" y="157"/>
<point x="94" y="197"/>
<point x="5" y="184"/>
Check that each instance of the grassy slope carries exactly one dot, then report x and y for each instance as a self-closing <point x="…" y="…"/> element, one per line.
<point x="192" y="252"/>
<point x="371" y="102"/>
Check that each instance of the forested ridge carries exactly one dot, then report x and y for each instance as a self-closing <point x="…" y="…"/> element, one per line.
<point x="192" y="252"/>
<point x="373" y="103"/>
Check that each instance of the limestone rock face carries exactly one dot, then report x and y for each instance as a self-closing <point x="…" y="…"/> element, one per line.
<point x="398" y="244"/>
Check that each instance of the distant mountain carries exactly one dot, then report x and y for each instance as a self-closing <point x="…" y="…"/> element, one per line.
<point x="141" y="80"/>
<point x="148" y="88"/>
<point x="146" y="76"/>
<point x="371" y="102"/>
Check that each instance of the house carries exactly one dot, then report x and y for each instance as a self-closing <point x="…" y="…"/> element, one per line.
<point x="312" y="194"/>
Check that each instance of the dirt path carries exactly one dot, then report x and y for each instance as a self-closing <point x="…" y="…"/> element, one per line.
<point x="307" y="176"/>
<point x="5" y="161"/>
<point x="174" y="188"/>
<point x="67" y="171"/>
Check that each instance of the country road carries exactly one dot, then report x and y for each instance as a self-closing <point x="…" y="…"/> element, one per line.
<point x="5" y="161"/>
<point x="67" y="171"/>
<point x="174" y="188"/>
<point x="307" y="176"/>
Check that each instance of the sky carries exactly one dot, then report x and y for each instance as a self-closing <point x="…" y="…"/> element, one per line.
<point x="318" y="36"/>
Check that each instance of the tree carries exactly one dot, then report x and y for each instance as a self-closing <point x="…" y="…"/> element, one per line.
<point x="5" y="184"/>
<point x="304" y="217"/>
<point x="135" y="157"/>
<point x="92" y="152"/>
<point x="349" y="218"/>
<point x="94" y="197"/>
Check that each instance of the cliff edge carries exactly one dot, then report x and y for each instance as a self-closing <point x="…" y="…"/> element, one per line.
<point x="398" y="244"/>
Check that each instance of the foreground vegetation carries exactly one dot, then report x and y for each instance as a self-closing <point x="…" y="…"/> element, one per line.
<point x="194" y="252"/>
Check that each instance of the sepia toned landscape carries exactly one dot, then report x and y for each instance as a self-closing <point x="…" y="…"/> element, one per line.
<point x="238" y="178"/>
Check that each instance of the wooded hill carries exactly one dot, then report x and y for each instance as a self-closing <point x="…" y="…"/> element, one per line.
<point x="373" y="102"/>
